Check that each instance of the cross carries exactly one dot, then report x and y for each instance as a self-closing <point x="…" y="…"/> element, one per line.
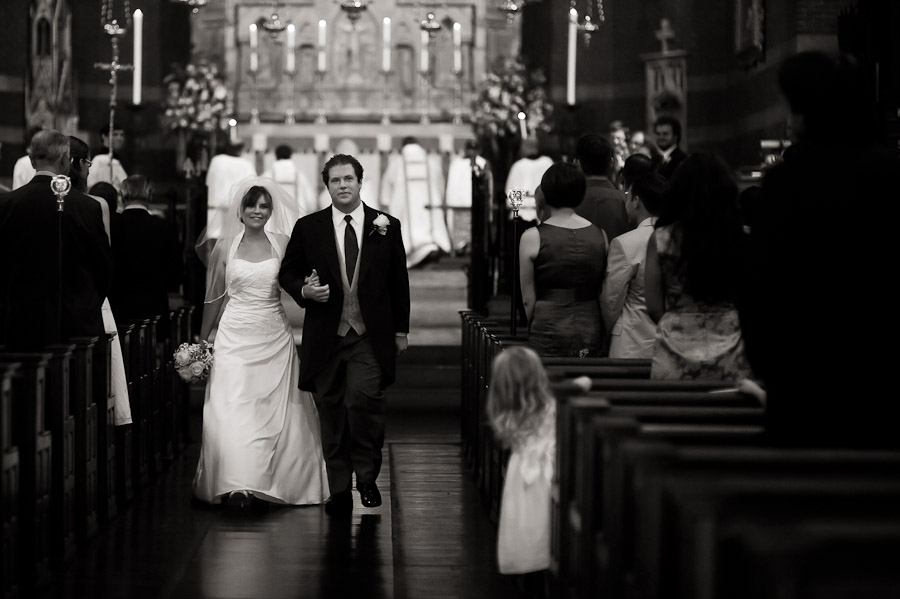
<point x="114" y="31"/>
<point x="664" y="34"/>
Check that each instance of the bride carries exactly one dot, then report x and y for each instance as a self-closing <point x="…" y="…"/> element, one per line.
<point x="260" y="432"/>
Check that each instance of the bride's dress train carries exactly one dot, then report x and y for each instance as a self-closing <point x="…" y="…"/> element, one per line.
<point x="260" y="432"/>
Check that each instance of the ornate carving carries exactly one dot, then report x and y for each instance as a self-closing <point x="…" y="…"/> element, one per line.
<point x="49" y="97"/>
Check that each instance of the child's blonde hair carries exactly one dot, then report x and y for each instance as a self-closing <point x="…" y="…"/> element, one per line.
<point x="519" y="395"/>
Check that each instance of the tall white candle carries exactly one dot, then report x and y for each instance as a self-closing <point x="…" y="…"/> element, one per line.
<point x="570" y="65"/>
<point x="386" y="45"/>
<point x="457" y="48"/>
<point x="423" y="54"/>
<point x="523" y="126"/>
<point x="254" y="44"/>
<point x="232" y="126"/>
<point x="138" y="56"/>
<point x="320" y="64"/>
<point x="291" y="43"/>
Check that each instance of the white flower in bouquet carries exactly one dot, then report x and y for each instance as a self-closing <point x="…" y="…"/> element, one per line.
<point x="182" y="357"/>
<point x="197" y="368"/>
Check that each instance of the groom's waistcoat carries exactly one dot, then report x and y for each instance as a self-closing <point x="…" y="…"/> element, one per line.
<point x="351" y="317"/>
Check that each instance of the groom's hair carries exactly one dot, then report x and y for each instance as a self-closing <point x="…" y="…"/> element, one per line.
<point x="339" y="159"/>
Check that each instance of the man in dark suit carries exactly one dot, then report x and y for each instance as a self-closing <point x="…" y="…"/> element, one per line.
<point x="38" y="308"/>
<point x="668" y="137"/>
<point x="603" y="203"/>
<point x="346" y="265"/>
<point x="147" y="255"/>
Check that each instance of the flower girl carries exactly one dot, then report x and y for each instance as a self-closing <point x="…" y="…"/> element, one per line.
<point x="522" y="413"/>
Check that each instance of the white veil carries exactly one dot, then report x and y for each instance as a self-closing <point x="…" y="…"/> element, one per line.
<point x="218" y="242"/>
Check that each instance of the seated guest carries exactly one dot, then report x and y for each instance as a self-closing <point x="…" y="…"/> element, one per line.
<point x="692" y="276"/>
<point x="603" y="204"/>
<point x="148" y="258"/>
<point x="635" y="167"/>
<point x="38" y="308"/>
<point x="561" y="267"/>
<point x="632" y="332"/>
<point x="109" y="194"/>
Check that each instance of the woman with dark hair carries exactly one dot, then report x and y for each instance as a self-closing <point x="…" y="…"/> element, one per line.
<point x="694" y="261"/>
<point x="261" y="437"/>
<point x="79" y="169"/>
<point x="561" y="268"/>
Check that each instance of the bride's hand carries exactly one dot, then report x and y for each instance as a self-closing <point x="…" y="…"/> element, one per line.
<point x="314" y="290"/>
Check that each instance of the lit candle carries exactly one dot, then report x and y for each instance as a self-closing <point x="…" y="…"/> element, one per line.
<point x="423" y="55"/>
<point x="523" y="126"/>
<point x="386" y="45"/>
<point x="570" y="66"/>
<point x="254" y="43"/>
<point x="232" y="126"/>
<point x="457" y="48"/>
<point x="291" y="42"/>
<point x="320" y="65"/>
<point x="138" y="55"/>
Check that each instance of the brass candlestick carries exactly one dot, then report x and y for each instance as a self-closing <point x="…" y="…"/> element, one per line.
<point x="320" y="112"/>
<point x="385" y="98"/>
<point x="289" y="116"/>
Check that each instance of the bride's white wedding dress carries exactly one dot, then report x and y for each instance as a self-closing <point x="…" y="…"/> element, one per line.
<point x="260" y="432"/>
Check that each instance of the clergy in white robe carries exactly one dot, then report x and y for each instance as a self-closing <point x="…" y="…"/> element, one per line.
<point x="23" y="171"/>
<point x="224" y="171"/>
<point x="526" y="173"/>
<point x="411" y="191"/>
<point x="100" y="171"/>
<point x="284" y="172"/>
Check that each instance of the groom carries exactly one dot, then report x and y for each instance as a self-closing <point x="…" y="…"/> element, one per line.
<point x="347" y="266"/>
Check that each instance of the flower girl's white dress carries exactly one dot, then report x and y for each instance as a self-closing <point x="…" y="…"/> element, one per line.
<point x="260" y="432"/>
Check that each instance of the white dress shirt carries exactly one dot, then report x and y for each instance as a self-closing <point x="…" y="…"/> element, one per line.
<point x="337" y="217"/>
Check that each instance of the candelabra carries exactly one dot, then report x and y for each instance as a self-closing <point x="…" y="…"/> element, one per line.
<point x="516" y="198"/>
<point x="320" y="111"/>
<point x="385" y="98"/>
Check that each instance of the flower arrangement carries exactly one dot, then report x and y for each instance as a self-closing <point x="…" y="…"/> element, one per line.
<point x="509" y="89"/>
<point x="197" y="99"/>
<point x="193" y="361"/>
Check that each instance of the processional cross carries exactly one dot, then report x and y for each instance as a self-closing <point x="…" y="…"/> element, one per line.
<point x="112" y="28"/>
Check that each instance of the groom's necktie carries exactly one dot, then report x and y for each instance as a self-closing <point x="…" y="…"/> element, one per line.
<point x="351" y="248"/>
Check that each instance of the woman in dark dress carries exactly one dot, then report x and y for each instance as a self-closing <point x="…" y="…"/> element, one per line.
<point x="562" y="262"/>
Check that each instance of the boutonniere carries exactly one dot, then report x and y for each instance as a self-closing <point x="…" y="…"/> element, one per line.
<point x="380" y="224"/>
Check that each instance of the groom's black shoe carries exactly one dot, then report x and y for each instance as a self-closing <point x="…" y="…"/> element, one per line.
<point x="368" y="494"/>
<point x="340" y="504"/>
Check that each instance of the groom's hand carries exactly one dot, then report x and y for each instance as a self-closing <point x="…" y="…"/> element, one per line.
<point x="312" y="290"/>
<point x="402" y="342"/>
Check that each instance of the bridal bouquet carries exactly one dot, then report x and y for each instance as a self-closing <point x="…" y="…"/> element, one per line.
<point x="193" y="361"/>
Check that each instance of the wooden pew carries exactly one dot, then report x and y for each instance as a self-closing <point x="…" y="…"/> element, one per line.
<point x="9" y="502"/>
<point x="142" y="436"/>
<point x="34" y="443"/>
<point x="155" y="395"/>
<point x="187" y="335"/>
<point x="683" y="494"/>
<point x="104" y="397"/>
<point x="84" y="408"/>
<point x="61" y="424"/>
<point x="586" y="428"/>
<point x="124" y="434"/>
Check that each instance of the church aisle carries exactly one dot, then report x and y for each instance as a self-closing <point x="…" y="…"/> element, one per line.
<point x="430" y="538"/>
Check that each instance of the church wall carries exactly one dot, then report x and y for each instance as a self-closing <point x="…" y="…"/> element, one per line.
<point x="730" y="107"/>
<point x="14" y="16"/>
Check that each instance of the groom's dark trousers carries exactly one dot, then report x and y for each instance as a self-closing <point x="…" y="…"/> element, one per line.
<point x="348" y="374"/>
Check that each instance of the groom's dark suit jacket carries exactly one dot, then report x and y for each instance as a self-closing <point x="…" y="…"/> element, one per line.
<point x="28" y="266"/>
<point x="382" y="290"/>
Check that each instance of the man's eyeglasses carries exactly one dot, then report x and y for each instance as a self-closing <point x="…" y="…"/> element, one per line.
<point x="89" y="163"/>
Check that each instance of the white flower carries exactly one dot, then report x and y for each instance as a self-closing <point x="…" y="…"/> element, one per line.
<point x="182" y="357"/>
<point x="197" y="368"/>
<point x="380" y="224"/>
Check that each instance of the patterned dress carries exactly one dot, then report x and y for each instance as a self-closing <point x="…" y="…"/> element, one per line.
<point x="694" y="340"/>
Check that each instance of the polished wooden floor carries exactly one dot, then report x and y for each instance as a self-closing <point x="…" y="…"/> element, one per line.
<point x="431" y="539"/>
